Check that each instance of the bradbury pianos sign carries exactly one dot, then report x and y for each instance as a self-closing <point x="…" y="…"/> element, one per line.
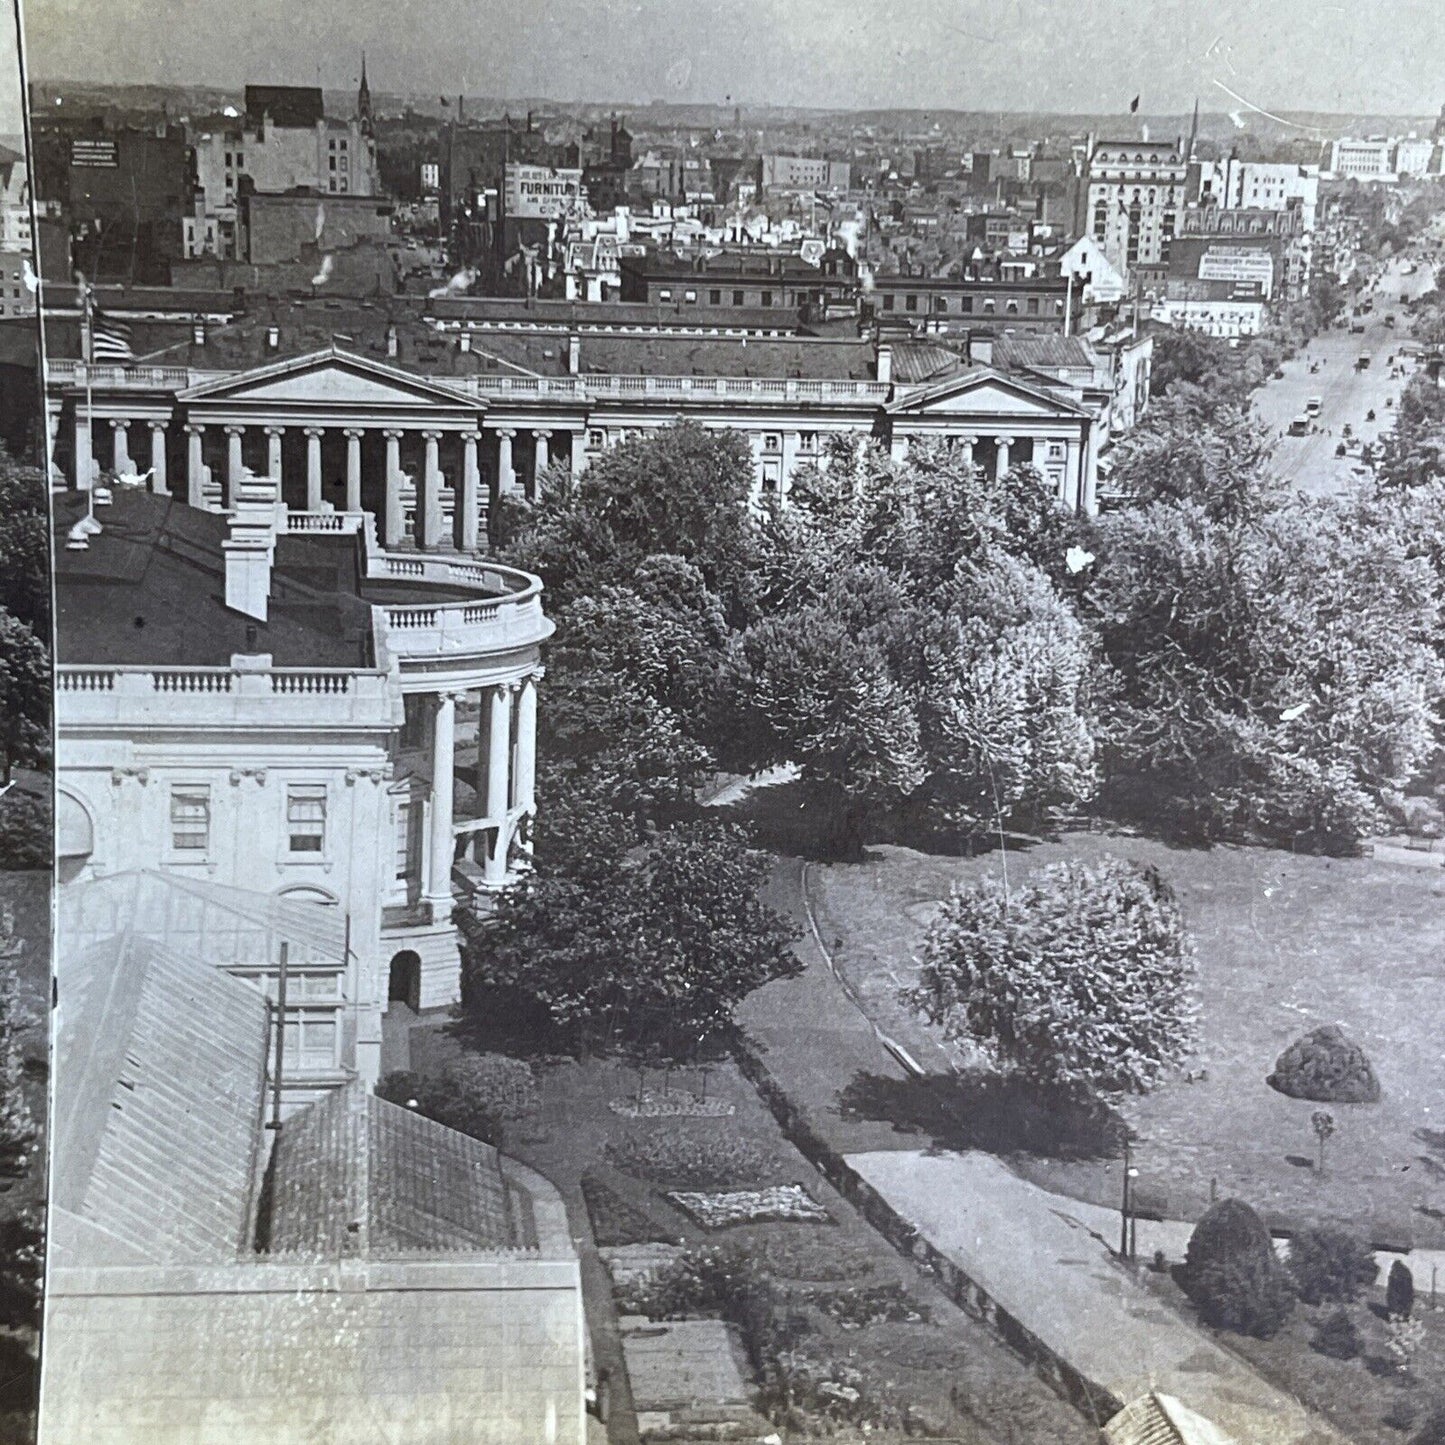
<point x="542" y="193"/>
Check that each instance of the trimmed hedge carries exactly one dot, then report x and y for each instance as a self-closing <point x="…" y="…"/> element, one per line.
<point x="1326" y="1067"/>
<point x="1231" y="1274"/>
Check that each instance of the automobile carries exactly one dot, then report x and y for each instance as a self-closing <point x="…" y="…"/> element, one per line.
<point x="1357" y="327"/>
<point x="1300" y="426"/>
<point x="1370" y="415"/>
<point x="1347" y="430"/>
<point x="1362" y="362"/>
<point x="1341" y="450"/>
<point x="1313" y="406"/>
<point x="1389" y="318"/>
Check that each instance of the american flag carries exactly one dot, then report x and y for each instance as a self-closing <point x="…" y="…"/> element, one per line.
<point x="108" y="340"/>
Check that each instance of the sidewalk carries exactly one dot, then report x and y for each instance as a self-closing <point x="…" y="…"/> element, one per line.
<point x="1041" y="1258"/>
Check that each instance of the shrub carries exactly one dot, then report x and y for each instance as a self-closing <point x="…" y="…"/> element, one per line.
<point x="1337" y="1337"/>
<point x="691" y="1158"/>
<point x="1231" y="1274"/>
<point x="1432" y="1428"/>
<point x="1327" y="1067"/>
<point x="1399" y="1290"/>
<point x="477" y="1094"/>
<point x="1329" y="1264"/>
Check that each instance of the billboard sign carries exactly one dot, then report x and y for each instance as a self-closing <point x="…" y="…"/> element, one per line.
<point x="541" y="193"/>
<point x="1237" y="263"/>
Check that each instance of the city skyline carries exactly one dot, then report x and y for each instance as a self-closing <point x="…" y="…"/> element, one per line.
<point x="923" y="54"/>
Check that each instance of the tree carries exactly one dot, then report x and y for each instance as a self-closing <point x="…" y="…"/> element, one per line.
<point x="657" y="949"/>
<point x="24" y="695"/>
<point x="1336" y="1337"/>
<point x="25" y="545"/>
<point x="682" y="491"/>
<point x="17" y="1122"/>
<point x="1399" y="1290"/>
<point x="1330" y="1264"/>
<point x="1270" y="675"/>
<point x="1080" y="977"/>
<point x="1412" y="452"/>
<point x="1231" y="1274"/>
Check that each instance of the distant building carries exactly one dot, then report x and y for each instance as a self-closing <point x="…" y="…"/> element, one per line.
<point x="361" y="1272"/>
<point x="1414" y="155"/>
<point x="1363" y="160"/>
<point x="1233" y="185"/>
<point x="1136" y="192"/>
<point x="802" y="173"/>
<point x="285" y="142"/>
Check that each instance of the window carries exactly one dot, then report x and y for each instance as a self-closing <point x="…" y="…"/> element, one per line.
<point x="344" y="184"/>
<point x="191" y="817"/>
<point x="1033" y="305"/>
<point x="772" y="442"/>
<point x="1012" y="308"/>
<point x="689" y="295"/>
<point x="807" y="441"/>
<point x="403" y="837"/>
<point x="888" y="303"/>
<point x="766" y="298"/>
<point x="772" y="476"/>
<point x="331" y="162"/>
<point x="965" y="304"/>
<point x="665" y="293"/>
<point x="596" y="439"/>
<point x="940" y="303"/>
<point x="306" y="817"/>
<point x="310" y="1040"/>
<point x="910" y="303"/>
<point x="714" y="298"/>
<point x="738" y="298"/>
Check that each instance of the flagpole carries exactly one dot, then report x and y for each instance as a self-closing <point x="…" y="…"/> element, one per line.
<point x="89" y="324"/>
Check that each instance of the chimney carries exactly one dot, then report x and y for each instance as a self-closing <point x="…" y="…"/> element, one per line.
<point x="391" y="338"/>
<point x="198" y="330"/>
<point x="574" y="353"/>
<point x="464" y="341"/>
<point x="273" y="338"/>
<point x="250" y="546"/>
<point x="885" y="361"/>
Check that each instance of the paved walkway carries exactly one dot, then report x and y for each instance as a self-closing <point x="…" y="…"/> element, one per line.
<point x="1042" y="1260"/>
<point x="1045" y="1259"/>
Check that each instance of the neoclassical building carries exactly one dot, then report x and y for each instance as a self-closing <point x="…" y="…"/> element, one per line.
<point x="270" y="700"/>
<point x="423" y="417"/>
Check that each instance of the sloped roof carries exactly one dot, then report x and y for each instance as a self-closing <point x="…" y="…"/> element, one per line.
<point x="1157" y="1419"/>
<point x="160" y="1070"/>
<point x="919" y="362"/>
<point x="210" y="922"/>
<point x="355" y="1176"/>
<point x="1043" y="351"/>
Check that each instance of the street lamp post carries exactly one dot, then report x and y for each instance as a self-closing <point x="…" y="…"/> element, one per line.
<point x="1127" y="1223"/>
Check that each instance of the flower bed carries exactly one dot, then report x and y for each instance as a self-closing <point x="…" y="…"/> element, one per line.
<point x="670" y="1106"/>
<point x="719" y="1209"/>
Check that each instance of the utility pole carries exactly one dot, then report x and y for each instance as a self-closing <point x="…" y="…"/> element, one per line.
<point x="280" y="1041"/>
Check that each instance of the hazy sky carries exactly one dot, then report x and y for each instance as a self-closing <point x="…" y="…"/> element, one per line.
<point x="1079" y="55"/>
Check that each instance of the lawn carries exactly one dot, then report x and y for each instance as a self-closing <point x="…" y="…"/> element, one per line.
<point x="831" y="1271"/>
<point x="1365" y="1398"/>
<point x="1284" y="943"/>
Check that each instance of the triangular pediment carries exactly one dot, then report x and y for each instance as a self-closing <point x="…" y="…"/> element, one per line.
<point x="988" y="393"/>
<point x="330" y="377"/>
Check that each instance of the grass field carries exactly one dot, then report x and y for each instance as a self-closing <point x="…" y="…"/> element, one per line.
<point x="1284" y="943"/>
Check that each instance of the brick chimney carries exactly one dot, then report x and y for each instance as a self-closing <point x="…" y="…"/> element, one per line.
<point x="885" y="361"/>
<point x="250" y="547"/>
<point x="391" y="338"/>
<point x="574" y="354"/>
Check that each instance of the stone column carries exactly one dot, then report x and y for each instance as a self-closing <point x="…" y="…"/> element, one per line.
<point x="273" y="456"/>
<point x="313" y="469"/>
<point x="524" y="789"/>
<point x="195" y="466"/>
<point x="1089" y="480"/>
<point x="898" y="448"/>
<point x="84" y="460"/>
<point x="506" y="476"/>
<point x="353" y="470"/>
<point x="233" y="463"/>
<point x="579" y="452"/>
<point x="540" y="457"/>
<point x="967" y="450"/>
<point x="121" y="439"/>
<point x="443" y="762"/>
<point x="471" y="489"/>
<point x="1001" y="469"/>
<point x="394" y="520"/>
<point x="159" y="483"/>
<point x="1071" y="491"/>
<point x="499" y="750"/>
<point x="431" y="498"/>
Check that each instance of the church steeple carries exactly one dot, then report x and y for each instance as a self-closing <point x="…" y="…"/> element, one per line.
<point x="363" y="99"/>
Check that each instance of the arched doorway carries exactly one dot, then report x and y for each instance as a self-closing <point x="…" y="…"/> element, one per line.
<point x="404" y="983"/>
<point x="74" y="836"/>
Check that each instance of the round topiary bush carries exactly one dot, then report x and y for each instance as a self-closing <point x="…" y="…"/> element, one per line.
<point x="1231" y="1274"/>
<point x="1330" y="1264"/>
<point x="1336" y="1337"/>
<point x="1326" y="1067"/>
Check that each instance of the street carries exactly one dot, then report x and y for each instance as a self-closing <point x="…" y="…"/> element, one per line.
<point x="1346" y="395"/>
